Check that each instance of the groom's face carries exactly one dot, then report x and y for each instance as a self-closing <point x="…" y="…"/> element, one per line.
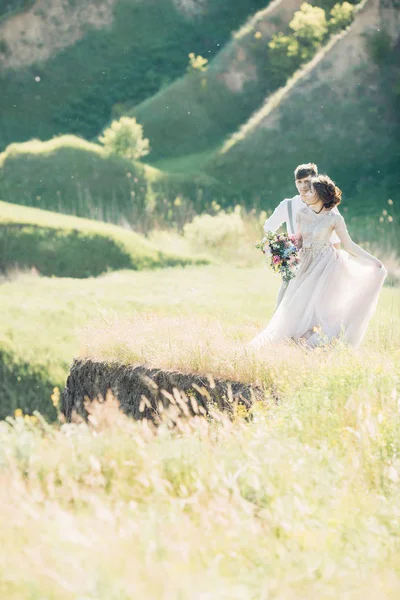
<point x="303" y="186"/>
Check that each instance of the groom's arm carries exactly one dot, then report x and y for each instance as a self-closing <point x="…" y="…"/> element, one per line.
<point x="278" y="217"/>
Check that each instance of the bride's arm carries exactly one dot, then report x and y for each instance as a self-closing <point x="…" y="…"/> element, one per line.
<point x="351" y="246"/>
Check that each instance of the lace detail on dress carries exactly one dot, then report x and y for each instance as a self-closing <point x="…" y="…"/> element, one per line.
<point x="315" y="230"/>
<point x="315" y="248"/>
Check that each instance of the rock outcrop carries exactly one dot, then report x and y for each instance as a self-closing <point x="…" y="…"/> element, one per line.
<point x="145" y="393"/>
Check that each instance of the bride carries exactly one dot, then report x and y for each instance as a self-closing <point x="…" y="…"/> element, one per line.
<point x="334" y="293"/>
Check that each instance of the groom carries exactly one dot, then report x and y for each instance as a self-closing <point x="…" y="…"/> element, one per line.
<point x="287" y="210"/>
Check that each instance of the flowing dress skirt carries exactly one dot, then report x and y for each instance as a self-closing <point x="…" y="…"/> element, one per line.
<point x="332" y="294"/>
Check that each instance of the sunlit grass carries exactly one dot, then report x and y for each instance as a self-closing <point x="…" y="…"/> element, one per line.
<point x="297" y="499"/>
<point x="66" y="246"/>
<point x="35" y="146"/>
<point x="302" y="501"/>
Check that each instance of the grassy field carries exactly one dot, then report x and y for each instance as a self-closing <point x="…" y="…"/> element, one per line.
<point x="66" y="246"/>
<point x="295" y="498"/>
<point x="300" y="501"/>
<point x="224" y="301"/>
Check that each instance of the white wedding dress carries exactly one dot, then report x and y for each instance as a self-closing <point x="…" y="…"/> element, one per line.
<point x="333" y="294"/>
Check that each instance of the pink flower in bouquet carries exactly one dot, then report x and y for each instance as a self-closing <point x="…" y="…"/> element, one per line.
<point x="276" y="260"/>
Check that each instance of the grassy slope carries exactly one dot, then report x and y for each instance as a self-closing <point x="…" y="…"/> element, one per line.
<point x="44" y="329"/>
<point x="196" y="113"/>
<point x="342" y="114"/>
<point x="67" y="246"/>
<point x="8" y="7"/>
<point x="86" y="183"/>
<point x="68" y="174"/>
<point x="146" y="47"/>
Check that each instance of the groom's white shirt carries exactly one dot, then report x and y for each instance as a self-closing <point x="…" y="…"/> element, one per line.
<point x="281" y="215"/>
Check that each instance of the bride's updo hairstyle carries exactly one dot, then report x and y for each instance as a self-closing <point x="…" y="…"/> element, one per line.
<point x="328" y="192"/>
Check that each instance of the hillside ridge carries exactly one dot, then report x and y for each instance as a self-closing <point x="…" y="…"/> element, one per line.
<point x="303" y="121"/>
<point x="196" y="112"/>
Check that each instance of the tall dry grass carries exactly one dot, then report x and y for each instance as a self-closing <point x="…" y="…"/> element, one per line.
<point x="300" y="501"/>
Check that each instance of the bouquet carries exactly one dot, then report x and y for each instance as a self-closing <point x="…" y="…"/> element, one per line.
<point x="281" y="252"/>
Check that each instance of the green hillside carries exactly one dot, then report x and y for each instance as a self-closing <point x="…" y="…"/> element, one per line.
<point x="342" y="111"/>
<point x="228" y="134"/>
<point x="66" y="246"/>
<point x="69" y="175"/>
<point x="197" y="112"/>
<point x="145" y="47"/>
<point x="8" y="7"/>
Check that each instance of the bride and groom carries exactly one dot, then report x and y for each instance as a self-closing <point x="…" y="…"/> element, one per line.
<point x="334" y="293"/>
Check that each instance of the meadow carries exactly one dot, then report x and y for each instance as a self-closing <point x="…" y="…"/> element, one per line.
<point x="38" y="336"/>
<point x="150" y="260"/>
<point x="298" y="498"/>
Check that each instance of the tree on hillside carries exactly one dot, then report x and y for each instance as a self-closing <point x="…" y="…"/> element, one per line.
<point x="197" y="63"/>
<point x="341" y="16"/>
<point x="307" y="31"/>
<point x="125" y="138"/>
<point x="310" y="28"/>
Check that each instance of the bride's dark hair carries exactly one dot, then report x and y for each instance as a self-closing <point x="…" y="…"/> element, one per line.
<point x="327" y="191"/>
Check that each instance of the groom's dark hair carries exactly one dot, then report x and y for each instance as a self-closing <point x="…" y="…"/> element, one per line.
<point x="306" y="170"/>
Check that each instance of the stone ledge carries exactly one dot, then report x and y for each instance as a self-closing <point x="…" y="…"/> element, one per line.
<point x="144" y="393"/>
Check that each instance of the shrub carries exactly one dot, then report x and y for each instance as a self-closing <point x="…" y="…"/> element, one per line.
<point x="284" y="57"/>
<point x="310" y="28"/>
<point x="209" y="231"/>
<point x="125" y="139"/>
<point x="197" y="63"/>
<point x="287" y="51"/>
<point x="25" y="386"/>
<point x="308" y="31"/>
<point x="341" y="16"/>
